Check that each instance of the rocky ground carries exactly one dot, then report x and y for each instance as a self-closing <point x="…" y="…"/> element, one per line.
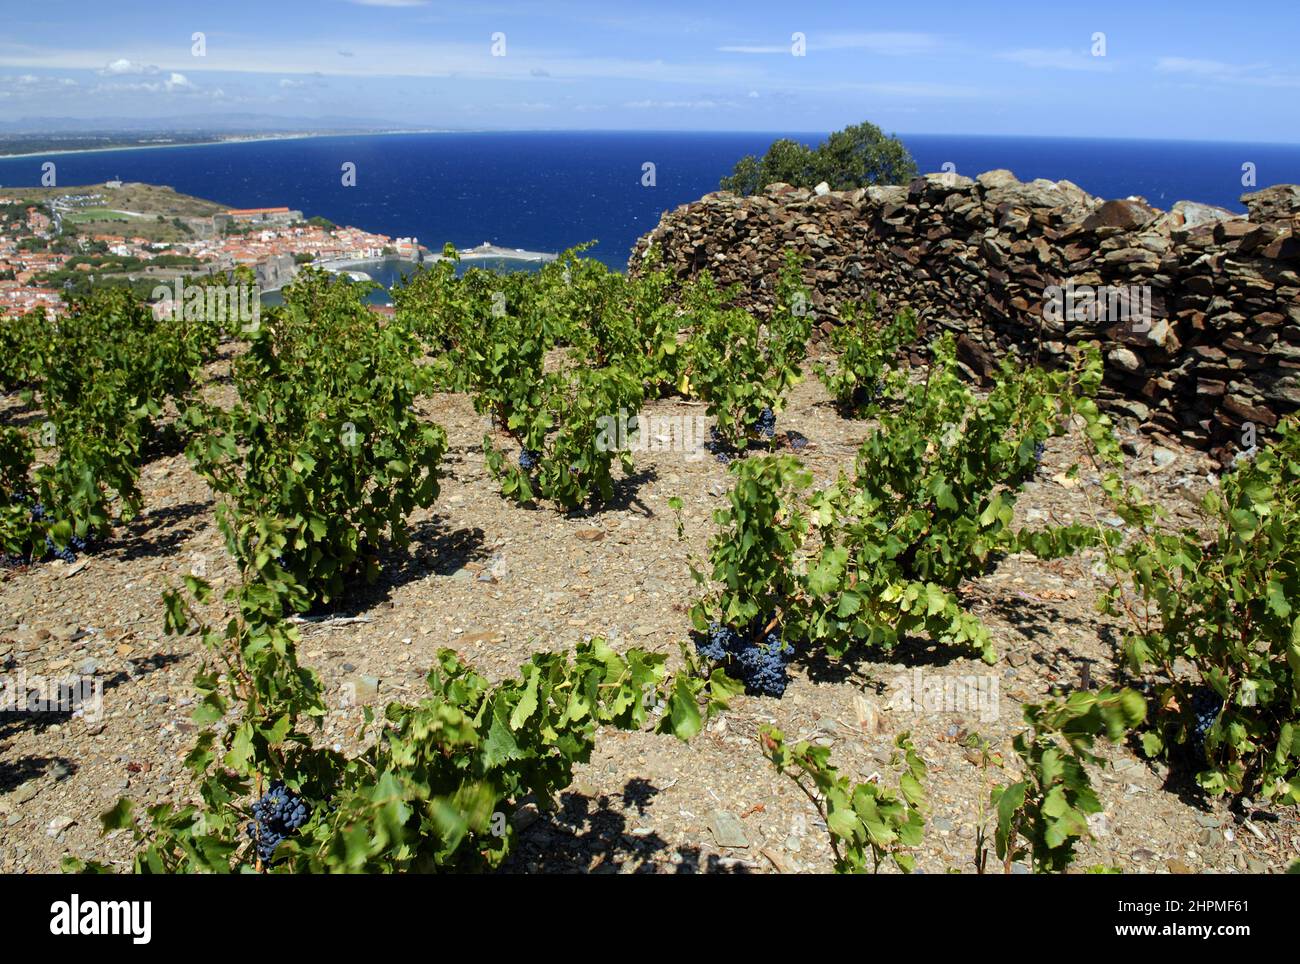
<point x="497" y="582"/>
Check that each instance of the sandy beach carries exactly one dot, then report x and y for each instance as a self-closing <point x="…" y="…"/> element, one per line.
<point x="234" y="139"/>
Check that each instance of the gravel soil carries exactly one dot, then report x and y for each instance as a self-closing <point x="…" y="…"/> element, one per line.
<point x="497" y="582"/>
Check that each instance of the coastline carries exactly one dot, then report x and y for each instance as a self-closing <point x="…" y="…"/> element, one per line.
<point x="483" y="252"/>
<point x="242" y="139"/>
<point x="487" y="251"/>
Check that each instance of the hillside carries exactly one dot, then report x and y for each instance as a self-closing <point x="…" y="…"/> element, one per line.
<point x="150" y="211"/>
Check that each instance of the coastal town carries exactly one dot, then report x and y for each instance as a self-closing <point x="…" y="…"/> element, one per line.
<point x="69" y="242"/>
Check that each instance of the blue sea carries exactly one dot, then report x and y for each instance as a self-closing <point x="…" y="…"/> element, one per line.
<point x="546" y="191"/>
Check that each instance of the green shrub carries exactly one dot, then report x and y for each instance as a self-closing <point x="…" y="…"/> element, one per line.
<point x="574" y="462"/>
<point x="1223" y="596"/>
<point x="755" y="551"/>
<point x="322" y="457"/>
<point x="22" y="347"/>
<point x="1042" y="815"/>
<point x="855" y="157"/>
<point x="660" y="352"/>
<point x="550" y="358"/>
<point x="880" y="554"/>
<point x="866" y="349"/>
<point x="864" y="820"/>
<point x="930" y="503"/>
<point x="103" y="372"/>
<point x="742" y="366"/>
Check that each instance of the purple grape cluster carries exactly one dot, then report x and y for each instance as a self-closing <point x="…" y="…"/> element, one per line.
<point x="529" y="459"/>
<point x="276" y="815"/>
<point x="797" y="440"/>
<point x="38" y="513"/>
<point x="722" y="640"/>
<point x="1205" y="705"/>
<point x="1031" y="470"/>
<point x="765" y="427"/>
<point x="866" y="393"/>
<point x="719" y="446"/>
<point x="762" y="665"/>
<point x="69" y="552"/>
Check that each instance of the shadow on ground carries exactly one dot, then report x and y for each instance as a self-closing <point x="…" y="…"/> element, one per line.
<point x="39" y="720"/>
<point x="158" y="533"/>
<point x="586" y="835"/>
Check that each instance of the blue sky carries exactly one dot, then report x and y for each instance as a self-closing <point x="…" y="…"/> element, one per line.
<point x="1186" y="70"/>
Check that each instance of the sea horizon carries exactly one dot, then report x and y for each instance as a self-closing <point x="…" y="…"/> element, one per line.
<point x="235" y="137"/>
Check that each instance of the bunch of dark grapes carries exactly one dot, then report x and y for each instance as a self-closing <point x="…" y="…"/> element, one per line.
<point x="1039" y="449"/>
<point x="529" y="459"/>
<point x="761" y="665"/>
<point x="1205" y="706"/>
<point x="719" y="446"/>
<point x="765" y="427"/>
<point x="278" y="814"/>
<point x="1031" y="470"/>
<point x="38" y="513"/>
<point x="69" y="552"/>
<point x="865" y="394"/>
<point x="722" y="641"/>
<point x="796" y="440"/>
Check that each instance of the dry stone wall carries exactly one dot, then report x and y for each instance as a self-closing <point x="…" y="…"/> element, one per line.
<point x="1197" y="309"/>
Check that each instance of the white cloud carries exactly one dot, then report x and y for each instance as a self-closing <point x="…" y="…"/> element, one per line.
<point x="31" y="85"/>
<point x="898" y="89"/>
<point x="770" y="49"/>
<point x="1257" y="75"/>
<point x="1056" y="59"/>
<point x="398" y="58"/>
<point x="733" y="85"/>
<point x="678" y="104"/>
<point x="175" y="83"/>
<point x="122" y="66"/>
<point x="905" y="88"/>
<point x="884" y="43"/>
<point x="1187" y="65"/>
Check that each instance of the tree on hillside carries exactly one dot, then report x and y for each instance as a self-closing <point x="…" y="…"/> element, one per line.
<point x="851" y="158"/>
